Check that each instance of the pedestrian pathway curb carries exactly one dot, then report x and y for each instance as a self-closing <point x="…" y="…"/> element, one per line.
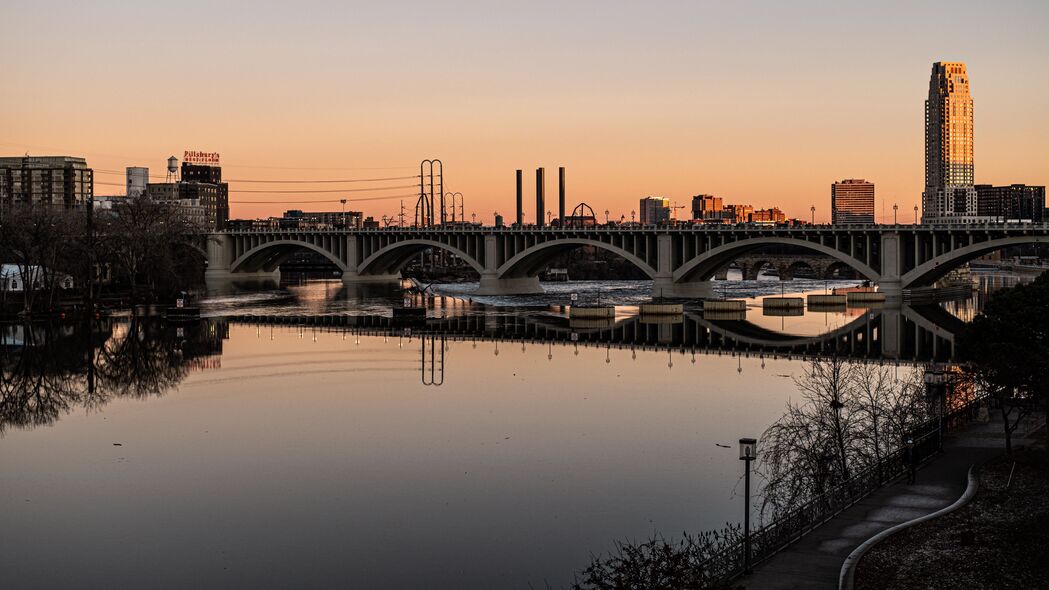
<point x="848" y="568"/>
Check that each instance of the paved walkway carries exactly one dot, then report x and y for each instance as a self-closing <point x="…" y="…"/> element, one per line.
<point x="815" y="561"/>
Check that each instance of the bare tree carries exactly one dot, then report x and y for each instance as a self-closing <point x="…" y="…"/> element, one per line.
<point x="141" y="237"/>
<point x="40" y="241"/>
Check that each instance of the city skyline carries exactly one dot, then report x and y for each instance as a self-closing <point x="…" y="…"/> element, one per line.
<point x="646" y="102"/>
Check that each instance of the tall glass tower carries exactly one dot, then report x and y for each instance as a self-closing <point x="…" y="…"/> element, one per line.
<point x="949" y="194"/>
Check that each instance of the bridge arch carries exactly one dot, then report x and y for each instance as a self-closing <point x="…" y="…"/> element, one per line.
<point x="269" y="256"/>
<point x="527" y="262"/>
<point x="391" y="258"/>
<point x="704" y="266"/>
<point x="925" y="274"/>
<point x="751" y="334"/>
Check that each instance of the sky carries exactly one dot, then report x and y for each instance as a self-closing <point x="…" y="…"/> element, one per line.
<point x="765" y="103"/>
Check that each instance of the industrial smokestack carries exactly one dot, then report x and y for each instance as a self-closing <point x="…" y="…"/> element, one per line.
<point x="520" y="199"/>
<point x="540" y="195"/>
<point x="561" y="195"/>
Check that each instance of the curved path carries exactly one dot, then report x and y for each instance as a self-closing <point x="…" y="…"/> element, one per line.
<point x="815" y="561"/>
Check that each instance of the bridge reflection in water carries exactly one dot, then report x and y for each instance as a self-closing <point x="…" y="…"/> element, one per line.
<point x="906" y="334"/>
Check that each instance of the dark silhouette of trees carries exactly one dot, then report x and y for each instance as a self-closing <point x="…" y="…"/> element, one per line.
<point x="1007" y="348"/>
<point x="46" y="370"/>
<point x="143" y="238"/>
<point x="44" y="243"/>
<point x="851" y="415"/>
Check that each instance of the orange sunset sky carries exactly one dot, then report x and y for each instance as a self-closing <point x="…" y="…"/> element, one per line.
<point x="764" y="103"/>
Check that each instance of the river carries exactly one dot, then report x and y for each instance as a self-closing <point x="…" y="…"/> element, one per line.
<point x="258" y="449"/>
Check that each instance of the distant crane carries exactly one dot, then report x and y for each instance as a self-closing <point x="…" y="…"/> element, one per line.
<point x="673" y="210"/>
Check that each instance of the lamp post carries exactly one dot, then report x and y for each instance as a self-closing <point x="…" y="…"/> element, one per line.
<point x="747" y="453"/>
<point x="606" y="216"/>
<point x="895" y="208"/>
<point x="343" y="201"/>
<point x="813" y="209"/>
<point x="936" y="392"/>
<point x="915" y="215"/>
<point x="632" y="213"/>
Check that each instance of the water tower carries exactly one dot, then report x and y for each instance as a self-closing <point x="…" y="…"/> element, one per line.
<point x="172" y="169"/>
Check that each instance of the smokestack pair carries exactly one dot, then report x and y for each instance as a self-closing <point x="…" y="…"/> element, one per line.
<point x="540" y="196"/>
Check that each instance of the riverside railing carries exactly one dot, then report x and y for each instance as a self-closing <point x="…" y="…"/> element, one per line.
<point x="778" y="535"/>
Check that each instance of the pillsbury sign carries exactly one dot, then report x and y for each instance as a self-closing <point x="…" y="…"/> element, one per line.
<point x="194" y="157"/>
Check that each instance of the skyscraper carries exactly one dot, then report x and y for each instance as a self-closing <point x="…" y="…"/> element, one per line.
<point x="852" y="201"/>
<point x="949" y="194"/>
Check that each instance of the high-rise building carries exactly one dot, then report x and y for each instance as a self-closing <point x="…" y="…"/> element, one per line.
<point x="707" y="207"/>
<point x="852" y="201"/>
<point x="45" y="180"/>
<point x="655" y="210"/>
<point x="137" y="180"/>
<point x="949" y="194"/>
<point x="1014" y="202"/>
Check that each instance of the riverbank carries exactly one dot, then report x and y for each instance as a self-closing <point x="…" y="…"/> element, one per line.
<point x="999" y="540"/>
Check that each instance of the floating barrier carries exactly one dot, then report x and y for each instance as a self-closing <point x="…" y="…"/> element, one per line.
<point x="823" y="300"/>
<point x="781" y="312"/>
<point x="724" y="305"/>
<point x="664" y="318"/>
<point x="716" y="315"/>
<point x="783" y="303"/>
<point x="592" y="311"/>
<point x="652" y="308"/>
<point x="591" y="323"/>
<point x="865" y="296"/>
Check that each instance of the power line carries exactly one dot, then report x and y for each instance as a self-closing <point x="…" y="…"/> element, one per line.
<point x="295" y="192"/>
<point x="358" y="199"/>
<point x="334" y="190"/>
<point x="388" y="178"/>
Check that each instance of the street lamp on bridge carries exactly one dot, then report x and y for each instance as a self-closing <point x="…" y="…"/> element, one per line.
<point x="895" y="208"/>
<point x="915" y="215"/>
<point x="813" y="209"/>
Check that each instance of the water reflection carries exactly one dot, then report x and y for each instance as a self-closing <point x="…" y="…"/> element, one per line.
<point x="492" y="447"/>
<point x="48" y="369"/>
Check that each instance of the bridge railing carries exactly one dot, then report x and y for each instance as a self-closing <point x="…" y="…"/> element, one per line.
<point x="683" y="227"/>
<point x="796" y="523"/>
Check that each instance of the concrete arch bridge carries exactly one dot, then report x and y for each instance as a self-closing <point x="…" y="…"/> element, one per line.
<point x="681" y="261"/>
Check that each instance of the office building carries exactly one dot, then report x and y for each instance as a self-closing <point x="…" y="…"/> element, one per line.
<point x="655" y="210"/>
<point x="1014" y="202"/>
<point x="768" y="216"/>
<point x="852" y="201"/>
<point x="949" y="195"/>
<point x="707" y="207"/>
<point x="45" y="180"/>
<point x="201" y="186"/>
<point x="322" y="219"/>
<point x="738" y="213"/>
